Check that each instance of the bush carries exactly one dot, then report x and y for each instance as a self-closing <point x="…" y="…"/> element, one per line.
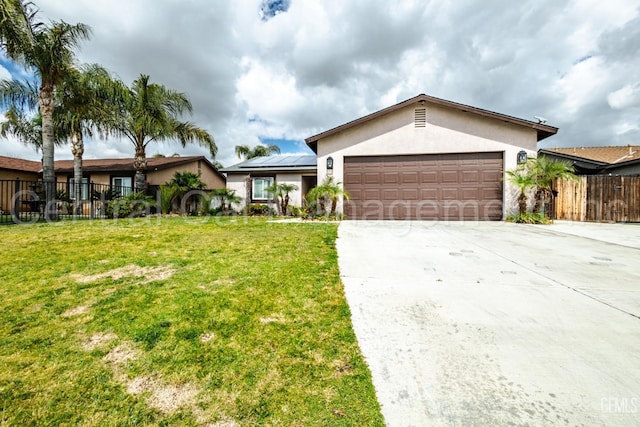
<point x="257" y="209"/>
<point x="132" y="206"/>
<point x="299" y="212"/>
<point x="529" y="218"/>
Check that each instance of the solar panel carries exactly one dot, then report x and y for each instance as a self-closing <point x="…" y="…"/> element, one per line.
<point x="280" y="161"/>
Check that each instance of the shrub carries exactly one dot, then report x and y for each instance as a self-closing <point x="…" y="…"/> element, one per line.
<point x="132" y="206"/>
<point x="529" y="218"/>
<point x="257" y="209"/>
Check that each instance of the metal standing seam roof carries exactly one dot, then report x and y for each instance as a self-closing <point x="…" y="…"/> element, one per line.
<point x="280" y="163"/>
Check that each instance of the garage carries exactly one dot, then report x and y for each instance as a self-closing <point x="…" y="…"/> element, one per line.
<point x="452" y="187"/>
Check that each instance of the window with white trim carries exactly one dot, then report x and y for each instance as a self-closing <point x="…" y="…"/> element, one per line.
<point x="84" y="189"/>
<point x="123" y="185"/>
<point x="259" y="188"/>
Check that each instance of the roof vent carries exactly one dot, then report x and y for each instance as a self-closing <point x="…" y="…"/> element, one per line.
<point x="421" y="117"/>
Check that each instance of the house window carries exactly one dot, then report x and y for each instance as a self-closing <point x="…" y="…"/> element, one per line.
<point x="123" y="185"/>
<point x="84" y="189"/>
<point x="258" y="188"/>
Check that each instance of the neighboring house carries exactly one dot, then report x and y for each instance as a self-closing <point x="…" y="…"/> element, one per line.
<point x="250" y="178"/>
<point x="119" y="173"/>
<point x="618" y="160"/>
<point x="427" y="158"/>
<point x="13" y="168"/>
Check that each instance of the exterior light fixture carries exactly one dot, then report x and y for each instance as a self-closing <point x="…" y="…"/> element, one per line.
<point x="329" y="165"/>
<point x="522" y="157"/>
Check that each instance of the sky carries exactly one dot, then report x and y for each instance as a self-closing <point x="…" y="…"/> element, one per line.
<point x="284" y="70"/>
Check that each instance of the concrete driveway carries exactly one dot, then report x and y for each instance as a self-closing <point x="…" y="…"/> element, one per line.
<point x="491" y="324"/>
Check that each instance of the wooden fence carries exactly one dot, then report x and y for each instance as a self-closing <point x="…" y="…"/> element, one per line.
<point x="598" y="198"/>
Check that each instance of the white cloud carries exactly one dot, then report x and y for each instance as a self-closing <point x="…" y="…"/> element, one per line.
<point x="627" y="96"/>
<point x="321" y="64"/>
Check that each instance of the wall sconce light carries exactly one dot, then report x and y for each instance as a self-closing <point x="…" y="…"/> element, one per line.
<point x="329" y="165"/>
<point x="522" y="157"/>
<point x="422" y="102"/>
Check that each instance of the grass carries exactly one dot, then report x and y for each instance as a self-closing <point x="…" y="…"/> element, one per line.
<point x="178" y="322"/>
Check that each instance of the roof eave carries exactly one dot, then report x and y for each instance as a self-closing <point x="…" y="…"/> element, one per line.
<point x="543" y="131"/>
<point x="574" y="158"/>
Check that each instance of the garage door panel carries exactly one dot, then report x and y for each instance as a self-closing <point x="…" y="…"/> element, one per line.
<point x="430" y="177"/>
<point x="390" y="195"/>
<point x="371" y="178"/>
<point x="391" y="178"/>
<point x="457" y="186"/>
<point x="449" y="176"/>
<point x="409" y="177"/>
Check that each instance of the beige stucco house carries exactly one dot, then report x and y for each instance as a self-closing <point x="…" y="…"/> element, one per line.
<point x="18" y="175"/>
<point x="427" y="158"/>
<point x="160" y="170"/>
<point x="250" y="178"/>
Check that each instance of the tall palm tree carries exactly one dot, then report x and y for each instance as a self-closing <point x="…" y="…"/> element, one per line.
<point x="27" y="130"/>
<point x="150" y="112"/>
<point x="246" y="152"/>
<point x="47" y="48"/>
<point x="83" y="105"/>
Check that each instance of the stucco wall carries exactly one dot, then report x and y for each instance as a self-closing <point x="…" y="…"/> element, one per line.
<point x="11" y="174"/>
<point x="295" y="197"/>
<point x="447" y="131"/>
<point x="207" y="175"/>
<point x="239" y="182"/>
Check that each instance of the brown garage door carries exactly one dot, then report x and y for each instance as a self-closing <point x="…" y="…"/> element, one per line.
<point x="461" y="186"/>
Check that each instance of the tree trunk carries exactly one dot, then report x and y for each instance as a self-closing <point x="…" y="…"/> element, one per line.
<point x="285" y="204"/>
<point x="140" y="165"/>
<point x="539" y="197"/>
<point x="77" y="149"/>
<point x="522" y="203"/>
<point x="45" y="101"/>
<point x="334" y="205"/>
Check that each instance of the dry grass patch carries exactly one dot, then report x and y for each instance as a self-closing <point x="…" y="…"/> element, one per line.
<point x="275" y="318"/>
<point x="149" y="274"/>
<point x="206" y="337"/>
<point x="97" y="341"/>
<point x="76" y="311"/>
<point x="122" y="354"/>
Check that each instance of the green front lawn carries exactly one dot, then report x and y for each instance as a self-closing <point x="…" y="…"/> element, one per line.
<point x="176" y="321"/>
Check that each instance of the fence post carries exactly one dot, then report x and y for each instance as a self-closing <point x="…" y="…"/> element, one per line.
<point x="15" y="208"/>
<point x="92" y="200"/>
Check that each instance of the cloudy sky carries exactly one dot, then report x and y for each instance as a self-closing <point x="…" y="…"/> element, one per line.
<point x="263" y="71"/>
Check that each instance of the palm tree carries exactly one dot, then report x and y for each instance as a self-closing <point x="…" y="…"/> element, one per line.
<point x="46" y="48"/>
<point x="281" y="191"/>
<point x="149" y="112"/>
<point x="523" y="180"/>
<point x="180" y="185"/>
<point x="83" y="105"/>
<point x="327" y="192"/>
<point x="544" y="171"/>
<point x="27" y="130"/>
<point x="226" y="197"/>
<point x="246" y="152"/>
